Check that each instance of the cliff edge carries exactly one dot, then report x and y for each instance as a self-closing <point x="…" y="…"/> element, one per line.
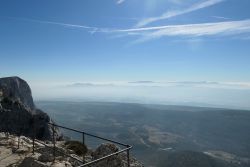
<point x="18" y="113"/>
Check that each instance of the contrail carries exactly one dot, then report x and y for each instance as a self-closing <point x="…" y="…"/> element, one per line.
<point x="91" y="29"/>
<point x="174" y="13"/>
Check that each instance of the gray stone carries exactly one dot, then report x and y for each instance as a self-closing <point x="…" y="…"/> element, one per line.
<point x="119" y="160"/>
<point x="2" y="135"/>
<point x="61" y="164"/>
<point x="46" y="157"/>
<point x="31" y="162"/>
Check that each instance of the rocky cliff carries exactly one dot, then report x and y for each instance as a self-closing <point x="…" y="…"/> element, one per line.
<point x="18" y="114"/>
<point x="17" y="89"/>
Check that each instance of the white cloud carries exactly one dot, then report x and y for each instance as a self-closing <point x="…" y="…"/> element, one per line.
<point x="220" y="17"/>
<point x="206" y="84"/>
<point x="175" y="13"/>
<point x="192" y="30"/>
<point x="177" y="1"/>
<point x="150" y="83"/>
<point x="90" y="29"/>
<point x="120" y="1"/>
<point x="149" y="33"/>
<point x="88" y="84"/>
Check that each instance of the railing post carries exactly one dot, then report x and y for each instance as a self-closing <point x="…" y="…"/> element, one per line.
<point x="34" y="134"/>
<point x="18" y="143"/>
<point x="83" y="142"/>
<point x="128" y="156"/>
<point x="19" y="133"/>
<point x="54" y="142"/>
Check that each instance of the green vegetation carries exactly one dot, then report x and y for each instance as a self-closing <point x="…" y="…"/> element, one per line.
<point x="76" y="146"/>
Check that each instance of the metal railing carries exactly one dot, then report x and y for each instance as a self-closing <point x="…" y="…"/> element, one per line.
<point x="54" y="148"/>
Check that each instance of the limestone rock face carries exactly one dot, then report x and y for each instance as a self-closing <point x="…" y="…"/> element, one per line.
<point x="18" y="113"/>
<point x="17" y="89"/>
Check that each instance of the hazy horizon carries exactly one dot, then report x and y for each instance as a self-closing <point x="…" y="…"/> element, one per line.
<point x="204" y="94"/>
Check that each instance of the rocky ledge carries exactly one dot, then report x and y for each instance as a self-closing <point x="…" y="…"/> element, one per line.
<point x="11" y="156"/>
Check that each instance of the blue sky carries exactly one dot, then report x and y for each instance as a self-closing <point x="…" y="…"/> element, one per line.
<point x="201" y="46"/>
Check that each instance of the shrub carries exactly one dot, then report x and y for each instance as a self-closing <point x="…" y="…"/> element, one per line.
<point x="79" y="148"/>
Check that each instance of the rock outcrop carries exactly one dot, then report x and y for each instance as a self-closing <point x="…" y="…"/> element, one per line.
<point x="18" y="113"/>
<point x="16" y="89"/>
<point x="119" y="160"/>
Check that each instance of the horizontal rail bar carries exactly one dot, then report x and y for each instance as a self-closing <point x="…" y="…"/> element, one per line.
<point x="60" y="152"/>
<point x="65" y="128"/>
<point x="89" y="163"/>
<point x="88" y="134"/>
<point x="127" y="149"/>
<point x="105" y="157"/>
<point x="125" y="145"/>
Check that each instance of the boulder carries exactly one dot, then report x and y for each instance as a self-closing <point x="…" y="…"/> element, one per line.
<point x="46" y="157"/>
<point x="119" y="160"/>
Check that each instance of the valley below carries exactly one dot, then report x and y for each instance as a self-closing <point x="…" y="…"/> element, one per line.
<point x="160" y="134"/>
